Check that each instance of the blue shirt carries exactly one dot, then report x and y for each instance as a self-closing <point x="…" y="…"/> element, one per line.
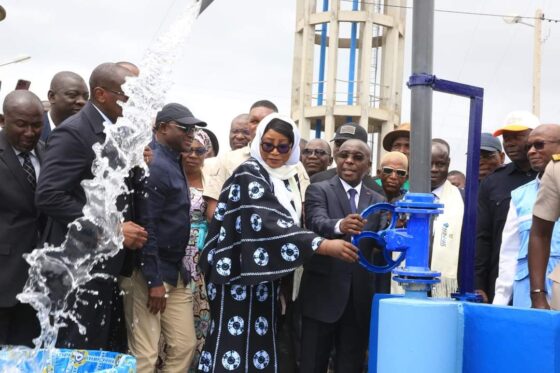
<point x="169" y="206"/>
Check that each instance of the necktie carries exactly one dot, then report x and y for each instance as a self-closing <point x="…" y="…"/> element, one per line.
<point x="28" y="169"/>
<point x="352" y="199"/>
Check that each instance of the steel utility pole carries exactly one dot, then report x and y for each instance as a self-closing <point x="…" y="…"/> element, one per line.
<point x="421" y="96"/>
<point x="537" y="58"/>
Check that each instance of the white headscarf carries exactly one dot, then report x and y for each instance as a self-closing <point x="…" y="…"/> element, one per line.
<point x="285" y="172"/>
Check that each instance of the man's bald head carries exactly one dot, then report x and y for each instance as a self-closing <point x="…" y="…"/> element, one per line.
<point x="108" y="75"/>
<point x="542" y="143"/>
<point x="67" y="95"/>
<point x="23" y="119"/>
<point x="105" y="84"/>
<point x="135" y="70"/>
<point x="21" y="98"/>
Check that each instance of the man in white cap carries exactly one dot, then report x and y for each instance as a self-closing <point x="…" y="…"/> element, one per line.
<point x="494" y="197"/>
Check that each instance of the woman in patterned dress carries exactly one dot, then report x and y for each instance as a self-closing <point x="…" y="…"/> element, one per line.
<point x="192" y="166"/>
<point x="255" y="240"/>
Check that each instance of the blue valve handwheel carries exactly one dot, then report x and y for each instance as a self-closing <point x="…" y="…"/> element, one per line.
<point x="379" y="238"/>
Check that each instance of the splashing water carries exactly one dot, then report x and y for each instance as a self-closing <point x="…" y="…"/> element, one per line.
<point x="57" y="272"/>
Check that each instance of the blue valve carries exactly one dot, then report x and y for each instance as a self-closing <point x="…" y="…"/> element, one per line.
<point x="412" y="242"/>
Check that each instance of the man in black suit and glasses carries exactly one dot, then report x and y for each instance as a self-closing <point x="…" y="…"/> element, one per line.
<point x="336" y="296"/>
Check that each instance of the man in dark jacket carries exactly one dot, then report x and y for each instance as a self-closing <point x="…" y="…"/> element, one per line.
<point x="494" y="196"/>
<point x="67" y="162"/>
<point x="336" y="296"/>
<point x="21" y="154"/>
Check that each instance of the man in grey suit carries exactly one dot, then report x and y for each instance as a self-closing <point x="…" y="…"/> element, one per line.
<point x="68" y="160"/>
<point x="336" y="296"/>
<point x="20" y="164"/>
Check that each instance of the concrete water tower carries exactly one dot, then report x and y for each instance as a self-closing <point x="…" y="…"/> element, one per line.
<point x="348" y="66"/>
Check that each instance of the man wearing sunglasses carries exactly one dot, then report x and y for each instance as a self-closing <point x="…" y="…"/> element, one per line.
<point x="348" y="131"/>
<point x="316" y="156"/>
<point x="513" y="279"/>
<point x="59" y="195"/>
<point x="494" y="195"/>
<point x="392" y="172"/>
<point x="161" y="296"/>
<point x="336" y="296"/>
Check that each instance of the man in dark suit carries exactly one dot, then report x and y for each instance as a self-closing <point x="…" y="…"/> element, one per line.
<point x="60" y="196"/>
<point x="67" y="95"/>
<point x="336" y="296"/>
<point x="348" y="131"/>
<point x="20" y="163"/>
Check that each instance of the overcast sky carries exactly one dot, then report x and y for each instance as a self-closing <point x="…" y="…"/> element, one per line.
<point x="241" y="51"/>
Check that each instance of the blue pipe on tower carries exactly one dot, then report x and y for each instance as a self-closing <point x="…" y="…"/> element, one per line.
<point x="352" y="63"/>
<point x="322" y="56"/>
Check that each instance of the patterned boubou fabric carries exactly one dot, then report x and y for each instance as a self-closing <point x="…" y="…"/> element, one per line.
<point x="252" y="243"/>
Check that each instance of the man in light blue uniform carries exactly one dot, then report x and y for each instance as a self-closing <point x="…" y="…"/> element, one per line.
<point x="513" y="278"/>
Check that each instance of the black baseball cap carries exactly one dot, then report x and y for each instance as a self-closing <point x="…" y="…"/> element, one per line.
<point x="178" y="113"/>
<point x="350" y="131"/>
<point x="490" y="143"/>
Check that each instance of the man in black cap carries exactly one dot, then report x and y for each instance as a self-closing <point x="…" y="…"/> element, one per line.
<point x="346" y="132"/>
<point x="161" y="298"/>
<point x="491" y="155"/>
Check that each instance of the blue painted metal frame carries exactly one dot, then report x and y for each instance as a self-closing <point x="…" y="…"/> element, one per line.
<point x="468" y="233"/>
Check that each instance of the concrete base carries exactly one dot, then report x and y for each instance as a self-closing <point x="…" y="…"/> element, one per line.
<point x="427" y="335"/>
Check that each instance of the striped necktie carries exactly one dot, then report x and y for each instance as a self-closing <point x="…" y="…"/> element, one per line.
<point x="28" y="169"/>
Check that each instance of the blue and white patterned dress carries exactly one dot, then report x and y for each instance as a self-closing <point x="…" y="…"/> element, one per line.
<point x="252" y="243"/>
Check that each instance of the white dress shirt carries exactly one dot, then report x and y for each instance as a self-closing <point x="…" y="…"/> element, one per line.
<point x="51" y="123"/>
<point x="347" y="187"/>
<point x="106" y="119"/>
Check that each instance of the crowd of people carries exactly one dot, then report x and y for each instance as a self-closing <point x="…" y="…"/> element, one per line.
<point x="242" y="260"/>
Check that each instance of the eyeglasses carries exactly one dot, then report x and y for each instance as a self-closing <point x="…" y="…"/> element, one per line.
<point x="118" y="93"/>
<point x="187" y="129"/>
<point x="355" y="156"/>
<point x="317" y="152"/>
<point x="198" y="151"/>
<point x="538" y="145"/>
<point x="390" y="170"/>
<point x="269" y="147"/>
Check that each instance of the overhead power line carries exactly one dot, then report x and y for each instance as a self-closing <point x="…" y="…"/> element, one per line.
<point x="552" y="20"/>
